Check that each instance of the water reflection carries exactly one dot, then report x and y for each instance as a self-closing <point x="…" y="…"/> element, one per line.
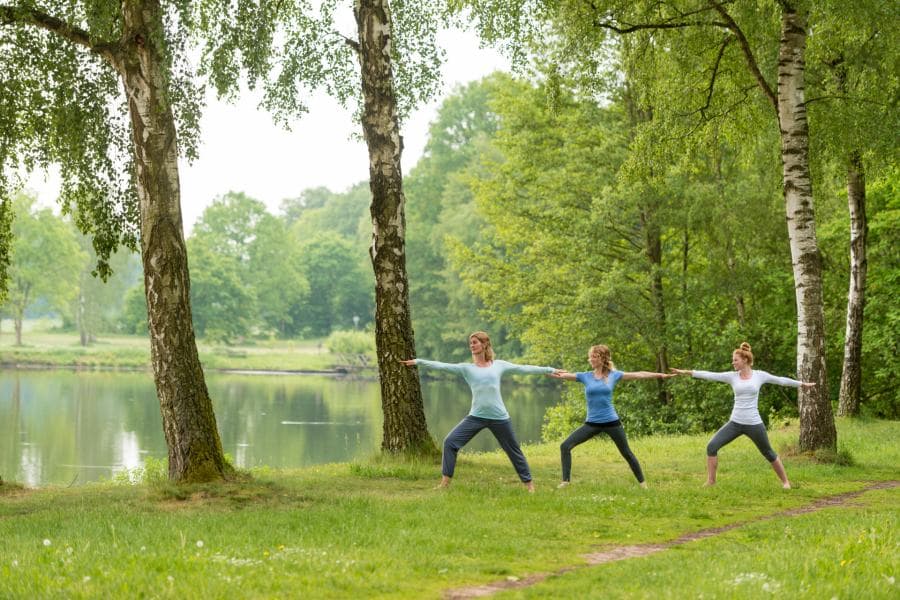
<point x="61" y="427"/>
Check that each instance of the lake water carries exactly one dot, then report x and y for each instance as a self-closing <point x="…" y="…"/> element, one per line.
<point x="59" y="427"/>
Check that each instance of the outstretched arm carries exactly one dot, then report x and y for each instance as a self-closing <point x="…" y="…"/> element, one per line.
<point x="564" y="375"/>
<point x="509" y="367"/>
<point x="433" y="364"/>
<point x="787" y="381"/>
<point x="629" y="375"/>
<point x="708" y="375"/>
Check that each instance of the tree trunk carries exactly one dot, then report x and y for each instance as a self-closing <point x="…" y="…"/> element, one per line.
<point x="653" y="249"/>
<point x="405" y="429"/>
<point x="17" y="323"/>
<point x="817" y="428"/>
<point x="82" y="326"/>
<point x="851" y="376"/>
<point x="195" y="450"/>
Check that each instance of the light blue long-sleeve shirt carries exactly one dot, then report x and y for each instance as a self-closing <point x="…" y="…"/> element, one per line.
<point x="485" y="383"/>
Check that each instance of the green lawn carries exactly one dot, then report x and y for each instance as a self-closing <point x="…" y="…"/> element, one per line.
<point x="44" y="348"/>
<point x="378" y="529"/>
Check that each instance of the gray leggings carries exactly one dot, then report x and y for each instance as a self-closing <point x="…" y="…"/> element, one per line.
<point x="730" y="431"/>
<point x="463" y="433"/>
<point x="586" y="432"/>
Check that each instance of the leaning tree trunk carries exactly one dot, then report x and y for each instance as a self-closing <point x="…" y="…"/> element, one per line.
<point x="817" y="428"/>
<point x="405" y="429"/>
<point x="195" y="450"/>
<point x="851" y="376"/>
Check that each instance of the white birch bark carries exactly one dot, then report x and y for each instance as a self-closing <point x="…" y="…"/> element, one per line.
<point x="816" y="418"/>
<point x="405" y="429"/>
<point x="851" y="375"/>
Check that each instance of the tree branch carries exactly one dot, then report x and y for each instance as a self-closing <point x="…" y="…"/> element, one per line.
<point x="833" y="97"/>
<point x="715" y="71"/>
<point x="670" y="23"/>
<point x="22" y="15"/>
<point x="748" y="54"/>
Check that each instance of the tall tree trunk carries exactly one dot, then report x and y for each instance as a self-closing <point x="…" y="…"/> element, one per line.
<point x="405" y="429"/>
<point x="851" y="376"/>
<point x="195" y="450"/>
<point x="817" y="428"/>
<point x="653" y="250"/>
<point x="17" y="323"/>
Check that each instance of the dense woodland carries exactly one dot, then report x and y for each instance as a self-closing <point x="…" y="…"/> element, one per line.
<point x="669" y="180"/>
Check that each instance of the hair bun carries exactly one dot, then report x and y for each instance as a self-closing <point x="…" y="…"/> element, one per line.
<point x="745" y="346"/>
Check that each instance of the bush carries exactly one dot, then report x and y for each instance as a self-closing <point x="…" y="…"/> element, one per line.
<point x="353" y="348"/>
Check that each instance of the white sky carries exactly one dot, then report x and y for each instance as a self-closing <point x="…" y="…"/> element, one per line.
<point x="242" y="150"/>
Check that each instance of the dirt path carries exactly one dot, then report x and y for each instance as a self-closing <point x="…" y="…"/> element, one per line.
<point x="634" y="551"/>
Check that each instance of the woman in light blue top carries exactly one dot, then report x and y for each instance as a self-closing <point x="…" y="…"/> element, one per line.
<point x="745" y="418"/>
<point x="601" y="416"/>
<point x="483" y="375"/>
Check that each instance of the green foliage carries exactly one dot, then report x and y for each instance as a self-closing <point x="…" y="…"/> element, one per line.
<point x="98" y="305"/>
<point x="245" y="271"/>
<point x="133" y="319"/>
<point x="340" y="287"/>
<point x="222" y="302"/>
<point x="441" y="208"/>
<point x="154" y="474"/>
<point x="881" y="334"/>
<point x="352" y="348"/>
<point x="45" y="260"/>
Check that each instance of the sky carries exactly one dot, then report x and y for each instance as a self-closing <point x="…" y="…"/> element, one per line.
<point x="242" y="150"/>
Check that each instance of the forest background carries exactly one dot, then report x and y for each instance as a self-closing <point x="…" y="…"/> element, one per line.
<point x="522" y="220"/>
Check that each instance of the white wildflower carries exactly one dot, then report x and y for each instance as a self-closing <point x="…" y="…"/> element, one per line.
<point x="86" y="578"/>
<point x="47" y="542"/>
<point x="199" y="543"/>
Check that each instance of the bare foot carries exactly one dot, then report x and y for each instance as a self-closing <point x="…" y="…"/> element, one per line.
<point x="709" y="483"/>
<point x="562" y="485"/>
<point x="643" y="484"/>
<point x="530" y="486"/>
<point x="786" y="485"/>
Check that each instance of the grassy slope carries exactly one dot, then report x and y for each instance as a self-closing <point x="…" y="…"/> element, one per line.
<point x="378" y="529"/>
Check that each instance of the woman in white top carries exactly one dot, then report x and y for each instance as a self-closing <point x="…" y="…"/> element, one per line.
<point x="745" y="419"/>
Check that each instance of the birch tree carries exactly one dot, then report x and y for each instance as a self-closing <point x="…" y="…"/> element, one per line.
<point x="853" y="100"/>
<point x="699" y="61"/>
<point x="93" y="86"/>
<point x="387" y="65"/>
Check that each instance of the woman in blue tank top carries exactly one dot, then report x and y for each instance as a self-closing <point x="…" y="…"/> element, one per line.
<point x="601" y="416"/>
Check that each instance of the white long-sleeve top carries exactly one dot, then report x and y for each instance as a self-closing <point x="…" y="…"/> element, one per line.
<point x="746" y="392"/>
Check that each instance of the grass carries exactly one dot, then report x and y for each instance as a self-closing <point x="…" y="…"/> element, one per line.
<point x="42" y="348"/>
<point x="378" y="529"/>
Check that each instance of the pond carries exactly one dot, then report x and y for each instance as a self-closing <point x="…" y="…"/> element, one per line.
<point x="66" y="427"/>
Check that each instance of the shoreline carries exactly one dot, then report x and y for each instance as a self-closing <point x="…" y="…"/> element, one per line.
<point x="336" y="372"/>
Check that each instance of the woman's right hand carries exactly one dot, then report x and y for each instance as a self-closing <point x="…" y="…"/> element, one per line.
<point x="409" y="363"/>
<point x="681" y="371"/>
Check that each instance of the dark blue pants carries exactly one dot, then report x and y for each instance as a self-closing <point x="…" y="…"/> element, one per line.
<point x="730" y="431"/>
<point x="463" y="433"/>
<point x="586" y="432"/>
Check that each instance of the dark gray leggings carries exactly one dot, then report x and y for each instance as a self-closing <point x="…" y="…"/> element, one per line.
<point x="463" y="433"/>
<point x="730" y="431"/>
<point x="586" y="432"/>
